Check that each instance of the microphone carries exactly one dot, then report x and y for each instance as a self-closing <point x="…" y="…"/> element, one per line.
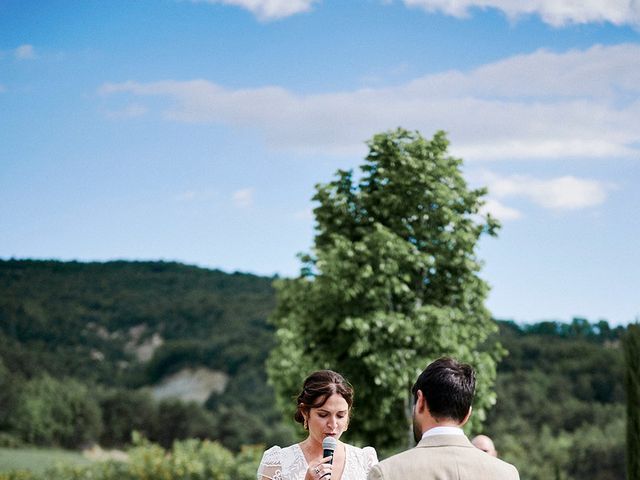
<point x="328" y="447"/>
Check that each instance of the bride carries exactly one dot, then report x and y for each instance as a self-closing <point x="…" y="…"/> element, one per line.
<point x="323" y="408"/>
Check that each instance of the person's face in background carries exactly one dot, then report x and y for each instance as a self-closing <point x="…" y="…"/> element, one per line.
<point x="485" y="444"/>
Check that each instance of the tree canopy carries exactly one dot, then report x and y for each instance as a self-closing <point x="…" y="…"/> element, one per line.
<point x="391" y="284"/>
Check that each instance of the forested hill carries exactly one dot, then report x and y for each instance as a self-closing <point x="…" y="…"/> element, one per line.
<point x="121" y="326"/>
<point x="94" y="320"/>
<point x="560" y="412"/>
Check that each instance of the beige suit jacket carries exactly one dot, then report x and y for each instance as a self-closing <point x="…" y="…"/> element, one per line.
<point x="443" y="457"/>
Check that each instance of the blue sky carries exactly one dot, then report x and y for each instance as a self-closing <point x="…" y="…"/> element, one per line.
<point x="196" y="130"/>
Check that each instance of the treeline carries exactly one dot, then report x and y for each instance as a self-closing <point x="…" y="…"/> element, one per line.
<point x="46" y="411"/>
<point x="70" y="373"/>
<point x="560" y="412"/>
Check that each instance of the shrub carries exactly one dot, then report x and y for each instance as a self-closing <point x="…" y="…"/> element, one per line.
<point x="178" y="420"/>
<point x="18" y="475"/>
<point x="56" y="412"/>
<point x="188" y="460"/>
<point x="124" y="411"/>
<point x="8" y="440"/>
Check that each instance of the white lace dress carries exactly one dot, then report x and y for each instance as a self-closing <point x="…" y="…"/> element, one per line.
<point x="289" y="463"/>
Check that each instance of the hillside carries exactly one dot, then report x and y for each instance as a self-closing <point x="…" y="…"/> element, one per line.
<point x="121" y="328"/>
<point x="101" y="321"/>
<point x="126" y="325"/>
<point x="560" y="410"/>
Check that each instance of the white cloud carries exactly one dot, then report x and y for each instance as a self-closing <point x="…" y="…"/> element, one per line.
<point x="500" y="211"/>
<point x="25" y="52"/>
<point x="130" y="111"/>
<point x="561" y="193"/>
<point x="553" y="12"/>
<point x="243" y="198"/>
<point x="540" y="105"/>
<point x="269" y="9"/>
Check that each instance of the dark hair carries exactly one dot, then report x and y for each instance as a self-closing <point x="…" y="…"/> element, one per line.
<point x="318" y="387"/>
<point x="448" y="388"/>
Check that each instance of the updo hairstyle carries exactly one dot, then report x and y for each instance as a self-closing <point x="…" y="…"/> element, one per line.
<point x="317" y="388"/>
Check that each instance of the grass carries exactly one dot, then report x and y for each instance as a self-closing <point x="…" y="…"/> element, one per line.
<point x="37" y="460"/>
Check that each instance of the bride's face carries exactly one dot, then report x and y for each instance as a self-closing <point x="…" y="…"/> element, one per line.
<point x="329" y="419"/>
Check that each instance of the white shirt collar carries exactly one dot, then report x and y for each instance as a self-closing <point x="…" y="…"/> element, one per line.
<point x="443" y="431"/>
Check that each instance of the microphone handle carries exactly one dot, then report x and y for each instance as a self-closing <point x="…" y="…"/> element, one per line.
<point x="328" y="453"/>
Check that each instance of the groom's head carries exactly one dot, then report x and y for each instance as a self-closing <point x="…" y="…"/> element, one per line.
<point x="446" y="388"/>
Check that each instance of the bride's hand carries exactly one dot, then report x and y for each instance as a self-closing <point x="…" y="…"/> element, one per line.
<point x="316" y="471"/>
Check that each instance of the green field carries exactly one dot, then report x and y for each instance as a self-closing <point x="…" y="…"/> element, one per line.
<point x="37" y="460"/>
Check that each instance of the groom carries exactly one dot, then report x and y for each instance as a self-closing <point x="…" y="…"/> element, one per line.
<point x="443" y="395"/>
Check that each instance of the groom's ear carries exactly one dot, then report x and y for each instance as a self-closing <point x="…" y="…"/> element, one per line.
<point x="421" y="402"/>
<point x="466" y="418"/>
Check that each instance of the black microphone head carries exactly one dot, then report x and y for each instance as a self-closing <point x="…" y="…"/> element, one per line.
<point x="329" y="443"/>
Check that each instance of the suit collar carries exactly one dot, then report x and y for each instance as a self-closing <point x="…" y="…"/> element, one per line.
<point x="445" y="441"/>
<point x="449" y="430"/>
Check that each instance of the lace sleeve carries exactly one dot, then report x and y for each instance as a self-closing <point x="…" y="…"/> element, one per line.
<point x="371" y="457"/>
<point x="271" y="465"/>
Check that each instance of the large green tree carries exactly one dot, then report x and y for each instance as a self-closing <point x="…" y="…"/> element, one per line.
<point x="391" y="283"/>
